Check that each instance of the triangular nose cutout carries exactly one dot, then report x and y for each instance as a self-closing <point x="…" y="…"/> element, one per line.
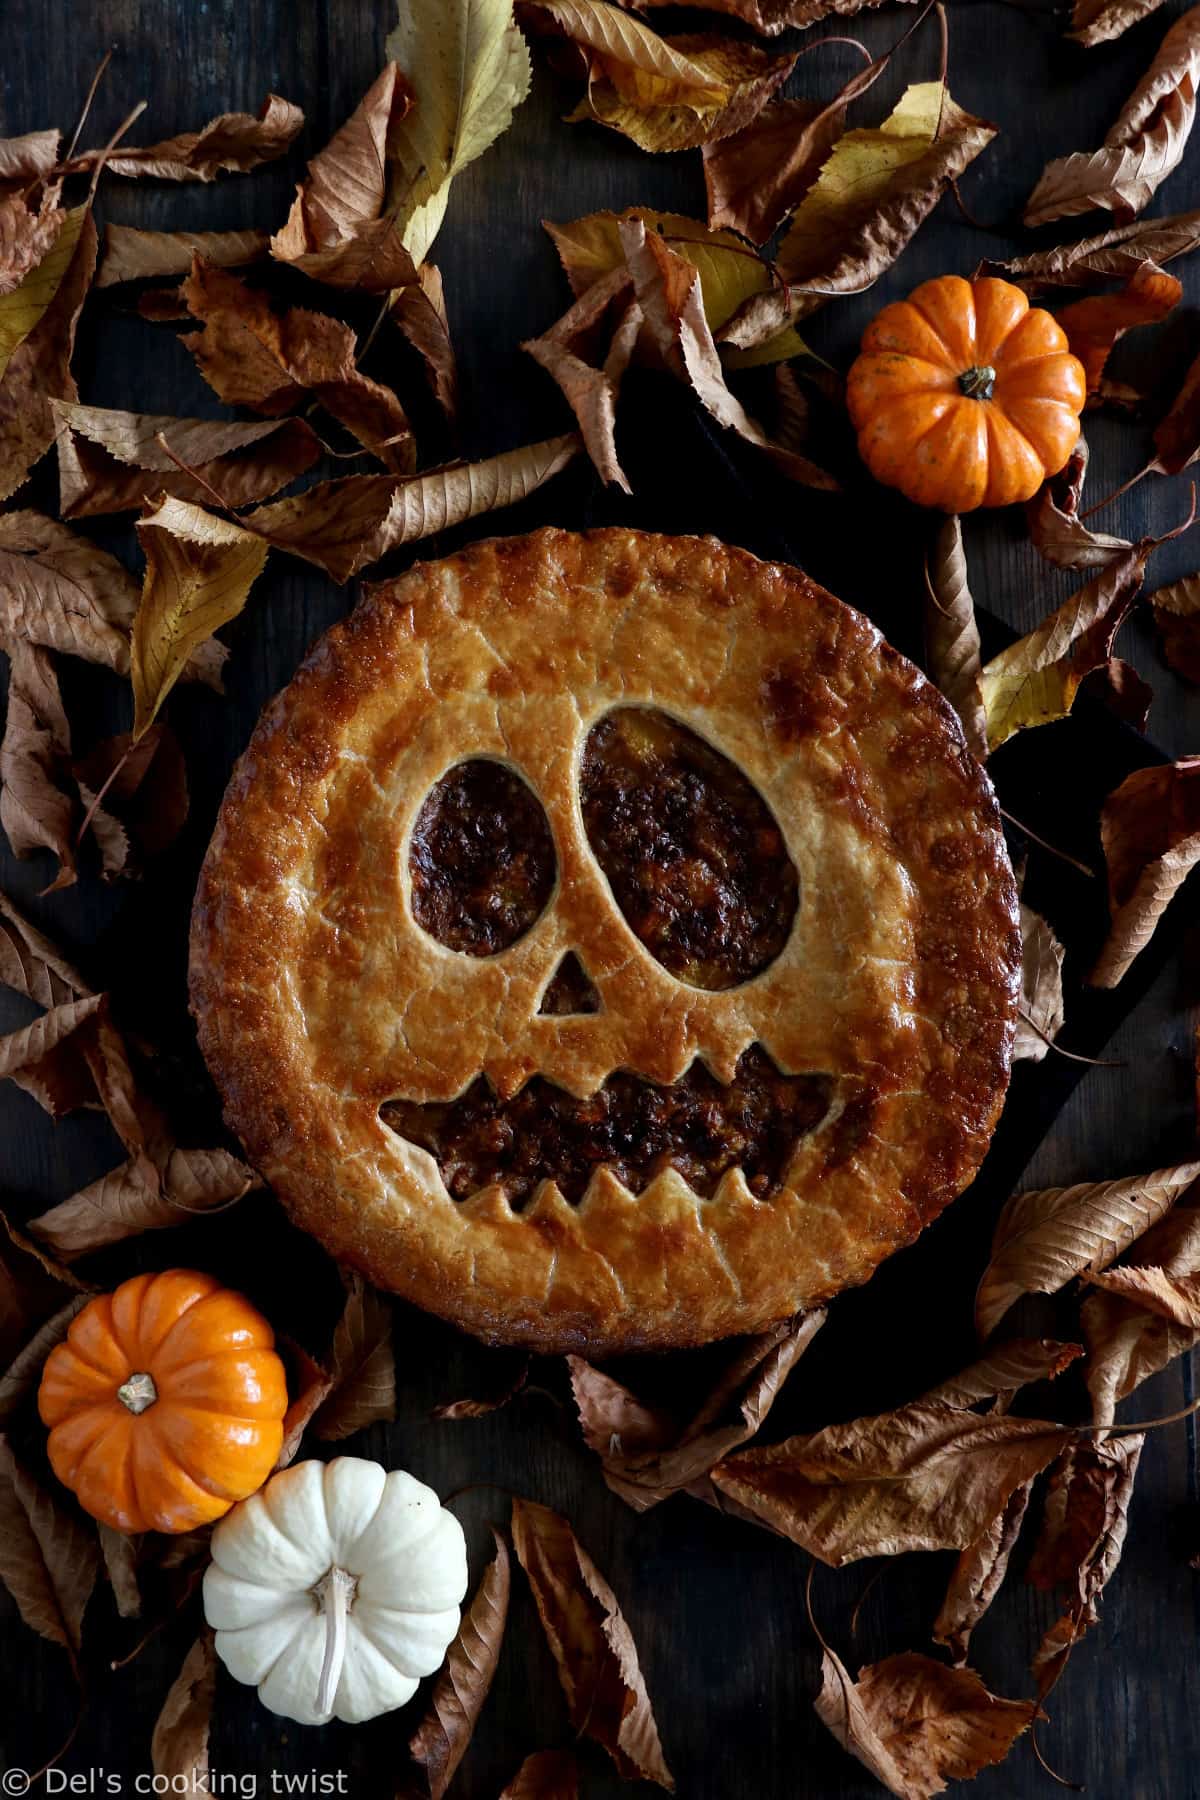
<point x="570" y="989"/>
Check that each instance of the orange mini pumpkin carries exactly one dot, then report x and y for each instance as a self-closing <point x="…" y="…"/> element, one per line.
<point x="165" y="1404"/>
<point x="964" y="395"/>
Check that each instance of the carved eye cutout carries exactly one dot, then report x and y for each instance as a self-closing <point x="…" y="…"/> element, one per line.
<point x="570" y="990"/>
<point x="481" y="862"/>
<point x="692" y="852"/>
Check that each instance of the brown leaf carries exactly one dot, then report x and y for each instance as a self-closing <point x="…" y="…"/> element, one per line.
<point x="24" y="1372"/>
<point x="1004" y="1369"/>
<point x="926" y="1477"/>
<point x="1109" y="256"/>
<point x="1094" y="324"/>
<point x="1175" y="1298"/>
<point x="120" y="1553"/>
<point x="179" y="1745"/>
<point x="591" y="1643"/>
<point x="419" y="314"/>
<point x="29" y="157"/>
<point x="546" y="1775"/>
<point x="250" y="355"/>
<point x="453" y="1410"/>
<point x="664" y="93"/>
<point x="1099" y="21"/>
<point x="916" y="1724"/>
<point x="362" y="1367"/>
<point x="1045" y="1237"/>
<point x="877" y="188"/>
<point x="1145" y="142"/>
<point x="27" y="1055"/>
<point x="39" y="371"/>
<point x="1036" y="679"/>
<point x="591" y="389"/>
<point x="978" y="1575"/>
<point x="132" y="255"/>
<point x="774" y="16"/>
<point x="36" y="808"/>
<point x="1126" y="1342"/>
<point x="62" y="592"/>
<point x="1042" y="1010"/>
<point x="234" y="143"/>
<point x="1118" y="686"/>
<point x="1058" y="532"/>
<point x="309" y="1387"/>
<point x="1150" y="829"/>
<point x="145" y="805"/>
<point x="441" y="1739"/>
<point x="123" y="1203"/>
<point x="1176" y="610"/>
<point x="112" y="462"/>
<point x="48" y="1560"/>
<point x="1177" y="436"/>
<point x="36" y="244"/>
<point x="615" y="1423"/>
<point x="952" y="636"/>
<point x="334" y="231"/>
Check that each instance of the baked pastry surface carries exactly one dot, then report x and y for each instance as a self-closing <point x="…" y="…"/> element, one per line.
<point x="786" y="865"/>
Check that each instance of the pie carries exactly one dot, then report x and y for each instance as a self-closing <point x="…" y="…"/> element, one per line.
<point x="608" y="943"/>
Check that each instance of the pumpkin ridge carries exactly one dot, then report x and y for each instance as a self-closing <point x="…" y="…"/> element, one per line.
<point x="90" y="1362"/>
<point x="952" y="356"/>
<point x="246" y="1320"/>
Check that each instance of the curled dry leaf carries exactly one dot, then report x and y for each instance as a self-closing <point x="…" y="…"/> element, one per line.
<point x="28" y="1054"/>
<point x="112" y="461"/>
<point x="31" y="965"/>
<point x="39" y="370"/>
<point x="24" y="304"/>
<point x="179" y="1745"/>
<point x="49" y="1560"/>
<point x="132" y="255"/>
<point x="37" y="811"/>
<point x="664" y="93"/>
<point x="250" y="355"/>
<point x="915" y="1724"/>
<point x="441" y="1739"/>
<point x="309" y="1386"/>
<point x="952" y="636"/>
<point x="199" y="572"/>
<point x="1127" y="1342"/>
<point x="546" y="1775"/>
<point x="1094" y="324"/>
<point x="120" y="1553"/>
<point x="62" y="592"/>
<point x="1150" y="829"/>
<point x="1042" y="1008"/>
<point x="362" y="1366"/>
<point x="591" y="1643"/>
<point x="453" y="1410"/>
<point x="418" y="311"/>
<point x="591" y="388"/>
<point x="1003" y="1370"/>
<point x="1114" y="255"/>
<point x="1058" y="532"/>
<point x="1177" y="435"/>
<point x="29" y="157"/>
<point x="1144" y="144"/>
<point x="979" y="1574"/>
<point x="1036" y="679"/>
<point x="334" y="231"/>
<point x="1045" y="1237"/>
<point x="928" y="1476"/>
<point x="877" y="188"/>
<point x="469" y="69"/>
<point x="233" y="143"/>
<point x="1176" y="610"/>
<point x="20" y="1380"/>
<point x="145" y="797"/>
<point x="773" y="16"/>
<point x="1099" y="21"/>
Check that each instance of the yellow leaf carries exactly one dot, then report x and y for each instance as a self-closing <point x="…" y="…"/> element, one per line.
<point x="468" y="66"/>
<point x="730" y="271"/>
<point x="21" y="309"/>
<point x="199" y="572"/>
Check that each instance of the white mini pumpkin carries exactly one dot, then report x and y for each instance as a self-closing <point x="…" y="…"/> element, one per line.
<point x="335" y="1588"/>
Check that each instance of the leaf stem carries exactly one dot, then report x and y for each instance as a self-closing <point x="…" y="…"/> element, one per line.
<point x="1033" y="837"/>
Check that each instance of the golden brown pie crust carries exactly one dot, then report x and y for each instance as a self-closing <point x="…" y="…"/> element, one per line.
<point x="318" y="997"/>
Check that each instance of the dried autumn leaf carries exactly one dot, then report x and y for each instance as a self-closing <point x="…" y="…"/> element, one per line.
<point x="1100" y="21"/>
<point x="120" y="1553"/>
<point x="877" y="188"/>
<point x="952" y="636"/>
<point x="452" y="1410"/>
<point x="1094" y="324"/>
<point x="24" y="1372"/>
<point x="39" y="370"/>
<point x="132" y="255"/>
<point x="591" y="389"/>
<point x="915" y="1724"/>
<point x="1036" y="679"/>
<point x="1109" y="256"/>
<point x="362" y="1366"/>
<point x="309" y="1387"/>
<point x="469" y="70"/>
<point x="199" y="572"/>
<point x="1127" y="1343"/>
<point x="37" y="811"/>
<point x="1177" y="435"/>
<point x="49" y="1561"/>
<point x="179" y="1745"/>
<point x="145" y="797"/>
<point x="1150" y="829"/>
<point x="418" y="311"/>
<point x="1004" y="1369"/>
<point x="233" y="143"/>
<point x="1144" y="144"/>
<point x="592" y="1645"/>
<point x="112" y="461"/>
<point x="334" y="231"/>
<point x="546" y="1775"/>
<point x="125" y="1202"/>
<point x="27" y="236"/>
<point x="1058" y="532"/>
<point x="1046" y="1236"/>
<point x="62" y="592"/>
<point x="33" y="966"/>
<point x="29" y="157"/>
<point x="774" y="16"/>
<point x="664" y="93"/>
<point x="23" y="306"/>
<point x="927" y="1477"/>
<point x="979" y="1574"/>
<point x="440" y="1741"/>
<point x="1042" y="1009"/>
<point x="1176" y="610"/>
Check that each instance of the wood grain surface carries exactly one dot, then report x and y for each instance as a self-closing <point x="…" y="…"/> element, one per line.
<point x="717" y="1608"/>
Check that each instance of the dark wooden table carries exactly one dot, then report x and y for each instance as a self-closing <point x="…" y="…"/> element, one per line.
<point x="717" y="1608"/>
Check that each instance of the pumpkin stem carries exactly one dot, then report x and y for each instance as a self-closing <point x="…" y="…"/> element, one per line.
<point x="977" y="383"/>
<point x="138" y="1392"/>
<point x="335" y="1594"/>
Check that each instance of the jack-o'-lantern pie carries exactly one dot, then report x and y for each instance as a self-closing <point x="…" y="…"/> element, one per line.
<point x="608" y="943"/>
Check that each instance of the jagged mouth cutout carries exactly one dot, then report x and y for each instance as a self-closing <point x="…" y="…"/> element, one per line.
<point x="698" y="867"/>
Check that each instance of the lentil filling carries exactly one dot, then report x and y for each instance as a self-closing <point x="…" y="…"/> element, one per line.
<point x="635" y="1127"/>
<point x="482" y="858"/>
